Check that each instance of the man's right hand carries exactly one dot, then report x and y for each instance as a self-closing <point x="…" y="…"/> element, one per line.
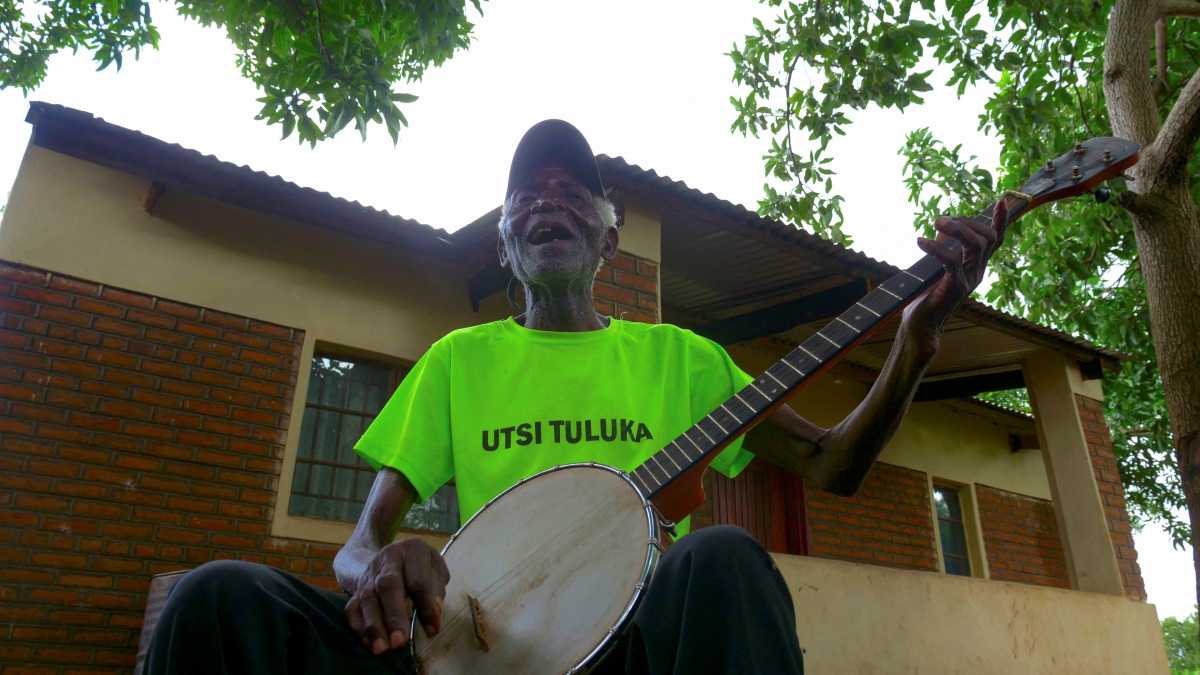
<point x="403" y="575"/>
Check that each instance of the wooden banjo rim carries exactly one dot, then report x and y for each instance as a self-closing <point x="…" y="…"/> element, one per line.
<point x="653" y="553"/>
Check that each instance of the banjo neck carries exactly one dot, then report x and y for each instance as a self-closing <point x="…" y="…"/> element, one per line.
<point x="700" y="443"/>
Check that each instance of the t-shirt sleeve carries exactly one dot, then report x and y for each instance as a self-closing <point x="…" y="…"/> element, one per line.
<point x="714" y="379"/>
<point x="412" y="432"/>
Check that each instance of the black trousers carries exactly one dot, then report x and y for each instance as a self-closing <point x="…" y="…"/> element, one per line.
<point x="717" y="604"/>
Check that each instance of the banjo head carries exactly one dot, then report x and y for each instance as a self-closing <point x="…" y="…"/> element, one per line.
<point x="544" y="577"/>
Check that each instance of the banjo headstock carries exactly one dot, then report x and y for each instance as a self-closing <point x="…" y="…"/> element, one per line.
<point x="1081" y="170"/>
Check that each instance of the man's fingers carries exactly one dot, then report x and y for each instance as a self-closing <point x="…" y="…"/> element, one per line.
<point x="975" y="244"/>
<point x="941" y="251"/>
<point x="429" y="612"/>
<point x="394" y="600"/>
<point x="354" y="616"/>
<point x="373" y="625"/>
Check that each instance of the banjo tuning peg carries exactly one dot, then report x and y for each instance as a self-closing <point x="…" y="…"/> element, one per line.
<point x="1102" y="194"/>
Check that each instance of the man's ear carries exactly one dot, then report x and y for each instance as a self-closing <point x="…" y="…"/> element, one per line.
<point x="500" y="252"/>
<point x="609" y="247"/>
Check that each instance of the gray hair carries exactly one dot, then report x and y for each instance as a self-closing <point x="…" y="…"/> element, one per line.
<point x="608" y="212"/>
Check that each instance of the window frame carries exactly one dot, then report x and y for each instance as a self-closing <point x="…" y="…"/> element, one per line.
<point x="286" y="525"/>
<point x="972" y="528"/>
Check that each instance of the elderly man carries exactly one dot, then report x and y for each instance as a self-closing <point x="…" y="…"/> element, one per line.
<point x="716" y="603"/>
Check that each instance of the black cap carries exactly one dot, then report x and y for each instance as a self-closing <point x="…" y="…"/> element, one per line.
<point x="554" y="143"/>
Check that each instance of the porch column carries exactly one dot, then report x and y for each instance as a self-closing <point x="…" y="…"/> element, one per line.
<point x="1052" y="382"/>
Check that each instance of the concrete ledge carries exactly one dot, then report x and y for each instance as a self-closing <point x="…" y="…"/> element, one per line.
<point x="865" y="619"/>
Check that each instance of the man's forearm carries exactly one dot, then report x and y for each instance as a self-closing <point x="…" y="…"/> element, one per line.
<point x="846" y="452"/>
<point x="388" y="502"/>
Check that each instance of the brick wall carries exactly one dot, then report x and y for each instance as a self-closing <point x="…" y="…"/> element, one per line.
<point x="137" y="435"/>
<point x="889" y="522"/>
<point x="1020" y="534"/>
<point x="627" y="288"/>
<point x="1108" y="481"/>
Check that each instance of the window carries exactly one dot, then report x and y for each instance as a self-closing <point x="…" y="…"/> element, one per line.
<point x="951" y="531"/>
<point x="331" y="481"/>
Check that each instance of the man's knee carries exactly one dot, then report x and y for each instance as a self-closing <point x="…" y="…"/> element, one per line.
<point x="720" y="540"/>
<point x="212" y="581"/>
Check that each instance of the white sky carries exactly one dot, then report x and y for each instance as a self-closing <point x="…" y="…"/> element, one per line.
<point x="647" y="81"/>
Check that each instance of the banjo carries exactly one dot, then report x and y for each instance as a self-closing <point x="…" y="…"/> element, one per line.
<point x="546" y="576"/>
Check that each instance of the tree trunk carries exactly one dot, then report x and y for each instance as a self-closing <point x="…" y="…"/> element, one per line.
<point x="1169" y="252"/>
<point x="1166" y="222"/>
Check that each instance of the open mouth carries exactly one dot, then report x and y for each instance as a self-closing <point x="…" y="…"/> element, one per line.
<point x="544" y="233"/>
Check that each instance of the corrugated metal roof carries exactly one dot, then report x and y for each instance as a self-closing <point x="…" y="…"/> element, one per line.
<point x="81" y="134"/>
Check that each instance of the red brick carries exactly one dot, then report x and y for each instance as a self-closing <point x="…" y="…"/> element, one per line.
<point x="12" y="306"/>
<point x="266" y="388"/>
<point x="68" y="316"/>
<point x="219" y="458"/>
<point x="646" y="268"/>
<point x="271" y="330"/>
<point x="53" y="468"/>
<point x="73" y="285"/>
<point x="191" y="504"/>
<point x="252" y="480"/>
<point x="74" y="489"/>
<point x="173" y="535"/>
<point x="254" y="416"/>
<point x="111" y="358"/>
<point x="126" y="530"/>
<point x="55" y="596"/>
<point x="198" y="329"/>
<point x="168" y="337"/>
<point x="83" y="370"/>
<point x="241" y="510"/>
<point x="15" y="426"/>
<point x="176" y="309"/>
<point x="623" y="262"/>
<point x="213" y="377"/>
<point x="127" y="298"/>
<point x="22" y="482"/>
<point x="104" y="389"/>
<point x="114" y="600"/>
<point x="138" y="463"/>
<point x="211" y="523"/>
<point x="177" y="419"/>
<point x="64" y="350"/>
<point x="43" y="296"/>
<point x="213" y="347"/>
<point x="628" y="280"/>
<point x="98" y="422"/>
<point x="36" y="412"/>
<point x="232" y="541"/>
<point x="114" y="477"/>
<point x="86" y="580"/>
<point x="148" y="430"/>
<point x="164" y="369"/>
<point x="16" y="391"/>
<point x="24" y="359"/>
<point x="159" y="483"/>
<point x="201" y="439"/>
<point x="152" y="350"/>
<point x="263" y="358"/>
<point x="625" y="296"/>
<point x="214" y="491"/>
<point x="74" y="617"/>
<point x="206" y="408"/>
<point x="169" y="451"/>
<point x="226" y="428"/>
<point x="245" y="340"/>
<point x="128" y="409"/>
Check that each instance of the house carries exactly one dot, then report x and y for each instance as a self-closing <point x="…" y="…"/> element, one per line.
<point x="189" y="349"/>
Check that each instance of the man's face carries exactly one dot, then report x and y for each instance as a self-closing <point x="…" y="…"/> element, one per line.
<point x="553" y="234"/>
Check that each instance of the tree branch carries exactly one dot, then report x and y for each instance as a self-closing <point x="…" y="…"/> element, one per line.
<point x="1128" y="91"/>
<point x="1180" y="131"/>
<point x="1161" y="88"/>
<point x="1179" y="8"/>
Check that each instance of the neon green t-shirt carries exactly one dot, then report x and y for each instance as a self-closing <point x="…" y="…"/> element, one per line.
<point x="493" y="404"/>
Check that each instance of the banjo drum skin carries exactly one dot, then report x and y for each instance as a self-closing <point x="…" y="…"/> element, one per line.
<point x="544" y="577"/>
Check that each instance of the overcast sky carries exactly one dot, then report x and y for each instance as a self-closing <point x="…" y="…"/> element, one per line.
<point x="648" y="81"/>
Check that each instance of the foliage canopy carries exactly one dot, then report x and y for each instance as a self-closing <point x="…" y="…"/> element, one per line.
<point x="1043" y="66"/>
<point x="321" y="64"/>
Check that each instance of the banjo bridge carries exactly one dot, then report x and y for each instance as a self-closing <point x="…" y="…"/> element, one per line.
<point x="480" y="628"/>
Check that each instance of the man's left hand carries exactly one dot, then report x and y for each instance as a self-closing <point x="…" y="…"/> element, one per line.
<point x="979" y="237"/>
